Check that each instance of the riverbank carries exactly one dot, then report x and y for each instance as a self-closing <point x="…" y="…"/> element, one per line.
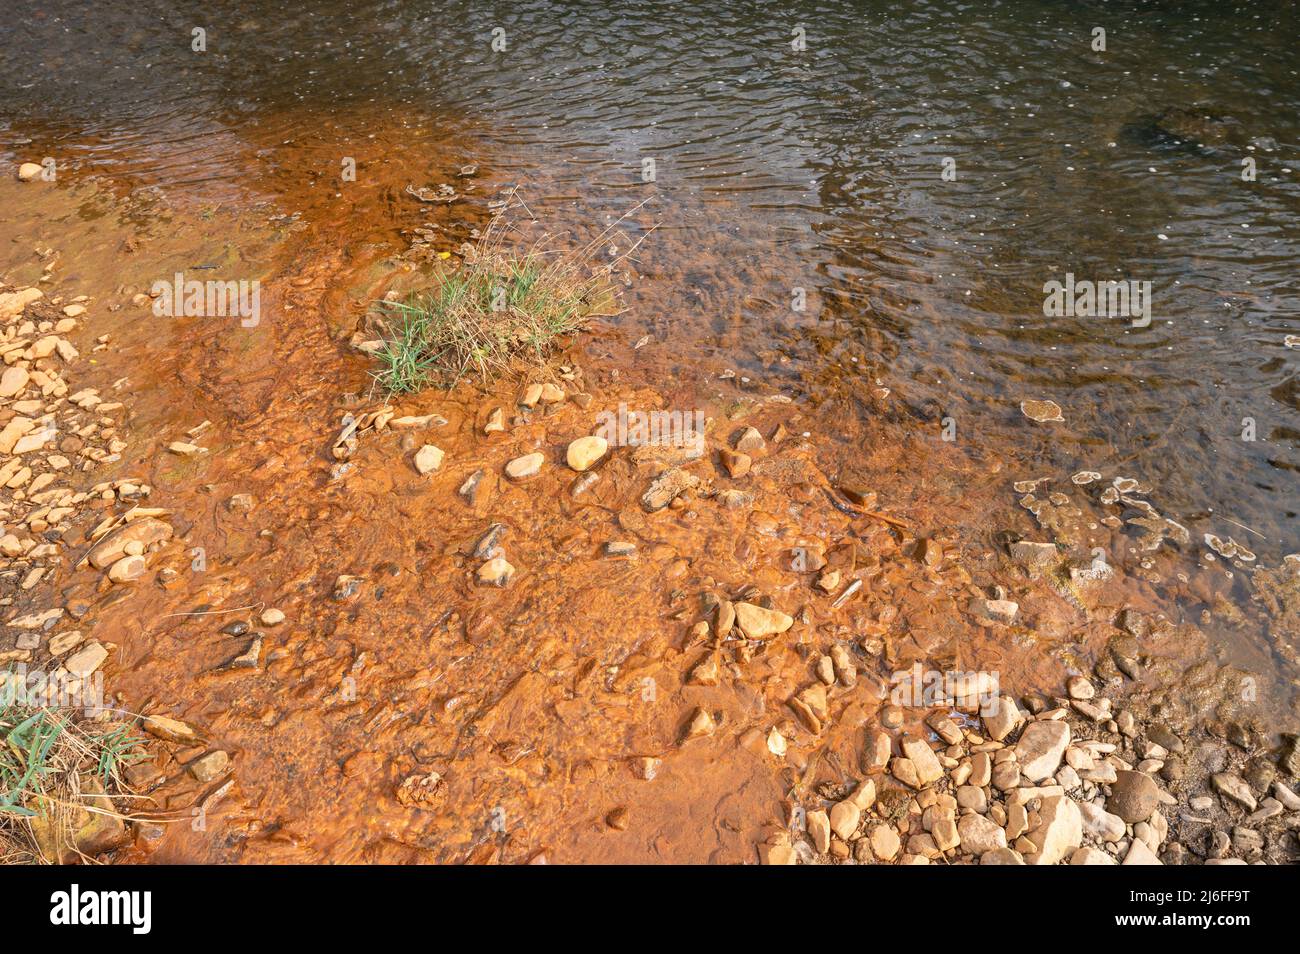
<point x="682" y="650"/>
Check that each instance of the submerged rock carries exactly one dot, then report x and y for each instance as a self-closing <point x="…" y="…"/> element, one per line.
<point x="665" y="488"/>
<point x="1043" y="412"/>
<point x="759" y="623"/>
<point x="586" y="452"/>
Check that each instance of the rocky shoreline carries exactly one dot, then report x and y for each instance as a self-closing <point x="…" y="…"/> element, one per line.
<point x="1073" y="780"/>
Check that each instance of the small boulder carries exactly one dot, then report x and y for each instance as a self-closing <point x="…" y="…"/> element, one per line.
<point x="1133" y="796"/>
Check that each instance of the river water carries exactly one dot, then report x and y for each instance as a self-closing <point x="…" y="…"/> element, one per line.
<point x="859" y="205"/>
<point x="819" y="169"/>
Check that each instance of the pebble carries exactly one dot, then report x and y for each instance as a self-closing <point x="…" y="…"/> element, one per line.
<point x="428" y="459"/>
<point x="128" y="569"/>
<point x="922" y="757"/>
<point x="819" y="828"/>
<point x="86" y="660"/>
<point x="844" y="819"/>
<point x="994" y="611"/>
<point x="586" y="452"/>
<point x="1080" y="688"/>
<point x="496" y="572"/>
<point x="876" y="751"/>
<point x="526" y="466"/>
<point x="618" y="818"/>
<point x="1133" y="796"/>
<point x="750" y="442"/>
<point x="736" y="463"/>
<point x="1087" y="855"/>
<point x="1101" y="824"/>
<point x="171" y="730"/>
<point x="905" y="772"/>
<point x="706" y="673"/>
<point x="759" y="623"/>
<point x="13" y="381"/>
<point x="1041" y="411"/>
<point x="776" y="743"/>
<point x="1059" y="832"/>
<point x="1002" y="719"/>
<point x="210" y="766"/>
<point x="272" y="617"/>
<point x="885" y="842"/>
<point x="701" y="724"/>
<point x="978" y="834"/>
<point x="1234" y="789"/>
<point x="1041" y="747"/>
<point x="1139" y="853"/>
<point x="1288" y="799"/>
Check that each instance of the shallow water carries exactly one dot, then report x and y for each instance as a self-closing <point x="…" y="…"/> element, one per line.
<point x="774" y="170"/>
<point x="820" y="170"/>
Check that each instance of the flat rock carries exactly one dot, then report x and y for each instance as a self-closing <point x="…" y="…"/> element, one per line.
<point x="147" y="532"/>
<point x="171" y="730"/>
<point x="1041" y="411"/>
<point x="979" y="835"/>
<point x="1028" y="553"/>
<point x="1234" y="789"/>
<point x="928" y="768"/>
<point x="86" y="660"/>
<point x="1060" y="830"/>
<point x="759" y="623"/>
<point x="667" y="487"/>
<point x="1040" y="749"/>
<point x="526" y="466"/>
<point x="13" y="381"/>
<point x="994" y="611"/>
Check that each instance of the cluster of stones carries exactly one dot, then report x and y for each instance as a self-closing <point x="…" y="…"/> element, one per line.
<point x="1030" y="787"/>
<point x="50" y="436"/>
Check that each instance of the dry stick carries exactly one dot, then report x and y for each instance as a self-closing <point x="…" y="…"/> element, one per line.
<point x="1244" y="527"/>
<point x="237" y="609"/>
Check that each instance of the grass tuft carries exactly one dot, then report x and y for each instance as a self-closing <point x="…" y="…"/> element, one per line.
<point x="497" y="308"/>
<point x="53" y="771"/>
